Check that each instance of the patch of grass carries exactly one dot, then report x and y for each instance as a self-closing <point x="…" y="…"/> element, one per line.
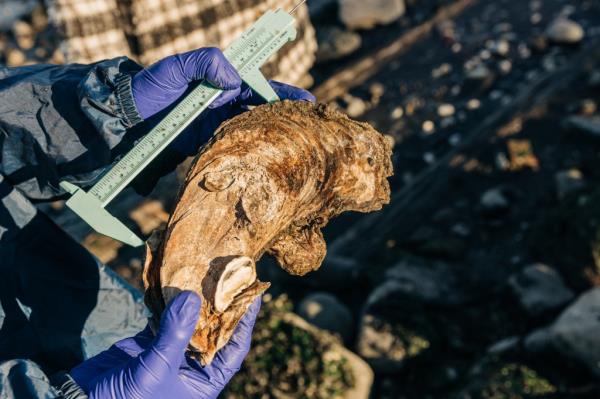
<point x="516" y="381"/>
<point x="288" y="362"/>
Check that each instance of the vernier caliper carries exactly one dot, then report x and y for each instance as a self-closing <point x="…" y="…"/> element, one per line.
<point x="247" y="54"/>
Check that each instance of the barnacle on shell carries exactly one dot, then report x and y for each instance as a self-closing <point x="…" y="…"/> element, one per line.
<point x="269" y="180"/>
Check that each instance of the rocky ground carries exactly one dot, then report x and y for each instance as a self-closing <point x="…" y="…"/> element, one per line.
<point x="480" y="279"/>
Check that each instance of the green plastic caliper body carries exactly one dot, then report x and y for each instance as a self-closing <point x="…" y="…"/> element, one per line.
<point x="247" y="54"/>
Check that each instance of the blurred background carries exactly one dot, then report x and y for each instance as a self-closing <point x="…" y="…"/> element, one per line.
<point x="481" y="279"/>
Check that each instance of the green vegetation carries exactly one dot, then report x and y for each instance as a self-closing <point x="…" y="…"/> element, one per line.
<point x="286" y="361"/>
<point x="516" y="381"/>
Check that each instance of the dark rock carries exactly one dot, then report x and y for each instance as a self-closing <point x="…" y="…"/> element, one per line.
<point x="588" y="125"/>
<point x="564" y="31"/>
<point x="335" y="43"/>
<point x="325" y="311"/>
<point x="574" y="335"/>
<point x="540" y="289"/>
<point x="386" y="345"/>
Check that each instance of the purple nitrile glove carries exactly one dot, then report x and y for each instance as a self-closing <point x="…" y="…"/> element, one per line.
<point x="145" y="366"/>
<point x="159" y="86"/>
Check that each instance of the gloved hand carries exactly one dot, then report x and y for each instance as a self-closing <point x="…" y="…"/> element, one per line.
<point x="158" y="87"/>
<point x="145" y="366"/>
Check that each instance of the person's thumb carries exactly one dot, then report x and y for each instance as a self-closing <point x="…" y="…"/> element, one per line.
<point x="176" y="328"/>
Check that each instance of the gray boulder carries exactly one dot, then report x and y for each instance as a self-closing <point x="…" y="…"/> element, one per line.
<point x="588" y="125"/>
<point x="325" y="311"/>
<point x="335" y="43"/>
<point x="360" y="14"/>
<point x="385" y="344"/>
<point x="564" y="31"/>
<point x="575" y="334"/>
<point x="540" y="289"/>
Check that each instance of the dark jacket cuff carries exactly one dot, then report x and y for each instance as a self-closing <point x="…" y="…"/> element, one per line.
<point x="125" y="100"/>
<point x="67" y="387"/>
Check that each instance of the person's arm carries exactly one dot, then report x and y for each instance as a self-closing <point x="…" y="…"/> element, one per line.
<point x="63" y="122"/>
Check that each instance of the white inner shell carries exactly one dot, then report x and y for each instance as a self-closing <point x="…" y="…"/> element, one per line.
<point x="238" y="275"/>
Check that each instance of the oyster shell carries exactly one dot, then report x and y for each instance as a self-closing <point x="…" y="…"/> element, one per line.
<point x="267" y="182"/>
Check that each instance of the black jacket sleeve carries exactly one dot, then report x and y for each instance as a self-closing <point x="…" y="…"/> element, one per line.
<point x="64" y="122"/>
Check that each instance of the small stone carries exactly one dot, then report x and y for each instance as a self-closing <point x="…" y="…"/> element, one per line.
<point x="502" y="161"/>
<point x="356" y="107"/>
<point x="535" y="18"/>
<point x="473" y="104"/>
<point x="588" y="107"/>
<point x="494" y="200"/>
<point x="325" y="311"/>
<point x="454" y="139"/>
<point x="594" y="79"/>
<point x="565" y="31"/>
<point x="359" y="14"/>
<point x="335" y="43"/>
<point x="505" y="66"/>
<point x="568" y="181"/>
<point x="376" y="90"/>
<point x="445" y="110"/>
<point x="386" y="345"/>
<point x="461" y="229"/>
<point x="442" y="70"/>
<point x="15" y="57"/>
<point x="479" y="78"/>
<point x="397" y="113"/>
<point x="500" y="47"/>
<point x="429" y="157"/>
<point x="588" y="125"/>
<point x="540" y="289"/>
<point x="24" y="35"/>
<point x="485" y="54"/>
<point x="456" y="47"/>
<point x="524" y="51"/>
<point x="574" y="335"/>
<point x="428" y="127"/>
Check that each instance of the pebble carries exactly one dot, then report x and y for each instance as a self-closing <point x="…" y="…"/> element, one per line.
<point x="524" y="51"/>
<point x="454" y="139"/>
<point x="540" y="289"/>
<point x="480" y="76"/>
<point x="356" y="107"/>
<point x="360" y="14"/>
<point x="500" y="47"/>
<point x="588" y="107"/>
<point x="594" y="79"/>
<point x="397" y="113"/>
<point x="429" y="157"/>
<point x="565" y="31"/>
<point x="568" y="181"/>
<point x="24" y="35"/>
<point x="428" y="127"/>
<point x="376" y="90"/>
<point x="325" y="311"/>
<point x="473" y="104"/>
<point x="494" y="199"/>
<point x="502" y="161"/>
<point x="442" y="70"/>
<point x="15" y="57"/>
<point x="335" y="43"/>
<point x="589" y="125"/>
<point x="535" y="18"/>
<point x="505" y="66"/>
<point x="445" y="110"/>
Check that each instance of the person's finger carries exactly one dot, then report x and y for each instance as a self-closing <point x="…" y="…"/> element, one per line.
<point x="288" y="92"/>
<point x="176" y="328"/>
<point x="224" y="98"/>
<point x="229" y="359"/>
<point x="283" y="91"/>
<point x="209" y="64"/>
